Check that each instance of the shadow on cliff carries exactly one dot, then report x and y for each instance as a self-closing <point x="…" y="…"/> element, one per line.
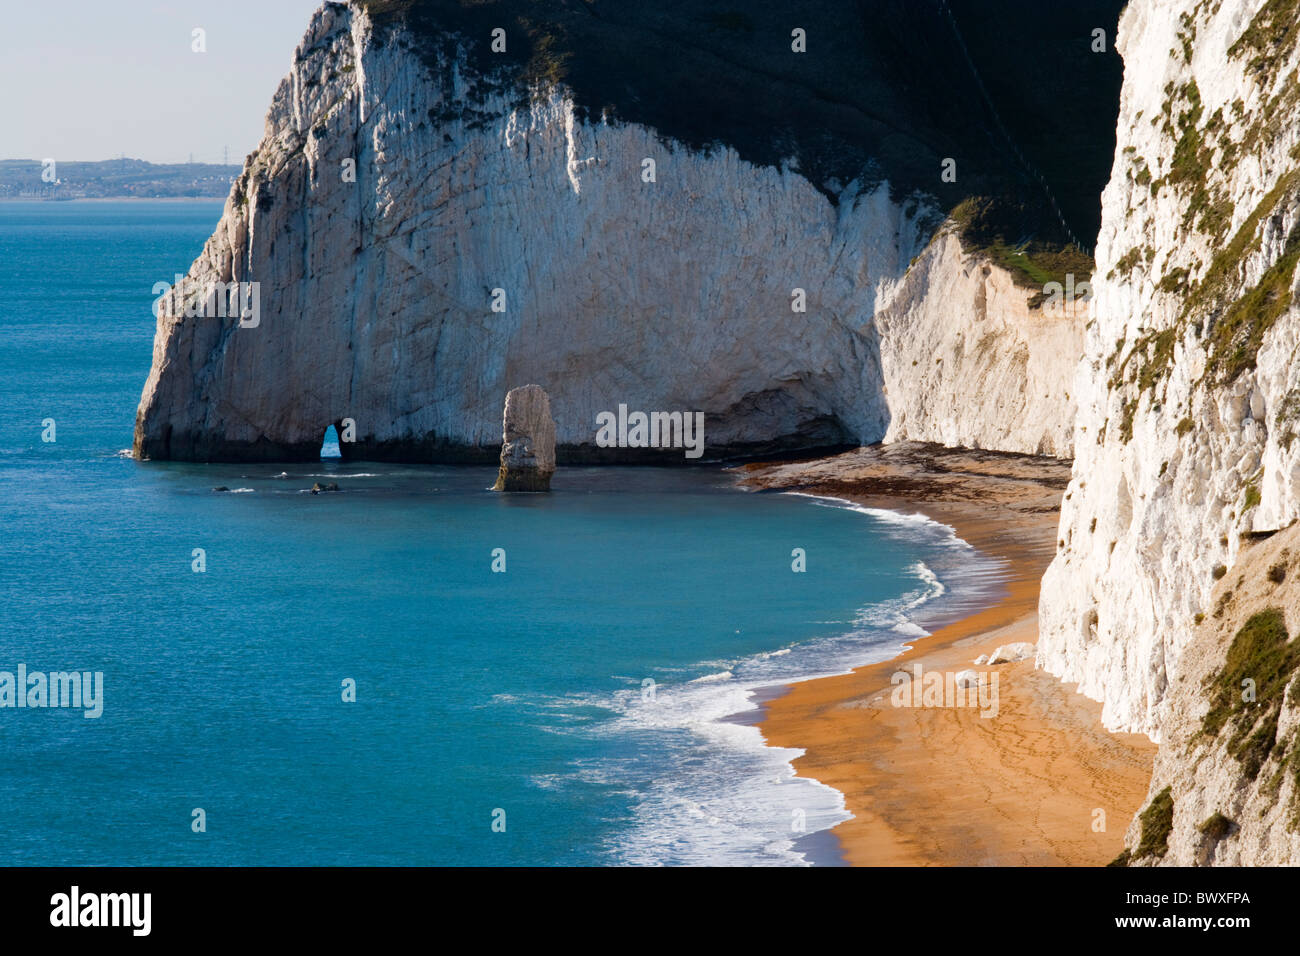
<point x="887" y="90"/>
<point x="1015" y="90"/>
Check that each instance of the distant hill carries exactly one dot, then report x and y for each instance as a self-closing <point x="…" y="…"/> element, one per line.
<point x="115" y="178"/>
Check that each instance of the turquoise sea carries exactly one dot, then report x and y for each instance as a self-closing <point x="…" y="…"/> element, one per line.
<point x="571" y="710"/>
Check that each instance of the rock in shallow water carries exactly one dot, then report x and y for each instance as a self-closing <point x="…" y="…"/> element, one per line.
<point x="527" y="441"/>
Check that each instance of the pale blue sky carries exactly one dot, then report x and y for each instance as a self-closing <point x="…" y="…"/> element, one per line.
<point x="94" y="79"/>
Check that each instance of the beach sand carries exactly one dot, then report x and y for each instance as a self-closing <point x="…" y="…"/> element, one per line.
<point x="1039" y="783"/>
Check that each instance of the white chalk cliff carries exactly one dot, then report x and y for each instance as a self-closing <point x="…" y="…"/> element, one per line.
<point x="967" y="362"/>
<point x="1189" y="390"/>
<point x="391" y="207"/>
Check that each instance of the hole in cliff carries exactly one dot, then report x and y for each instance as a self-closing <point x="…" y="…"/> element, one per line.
<point x="329" y="446"/>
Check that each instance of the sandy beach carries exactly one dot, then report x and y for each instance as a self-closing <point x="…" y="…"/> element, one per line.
<point x="1041" y="782"/>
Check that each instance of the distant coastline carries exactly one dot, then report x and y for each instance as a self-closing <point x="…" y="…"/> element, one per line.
<point x="107" y="199"/>
<point x="52" y="180"/>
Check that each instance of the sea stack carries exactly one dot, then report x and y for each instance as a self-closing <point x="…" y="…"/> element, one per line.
<point x="527" y="441"/>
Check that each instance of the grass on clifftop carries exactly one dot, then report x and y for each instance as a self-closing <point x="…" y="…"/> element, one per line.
<point x="996" y="229"/>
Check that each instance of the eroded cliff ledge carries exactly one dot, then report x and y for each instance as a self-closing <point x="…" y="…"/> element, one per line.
<point x="409" y="185"/>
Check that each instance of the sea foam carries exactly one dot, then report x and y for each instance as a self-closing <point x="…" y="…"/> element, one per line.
<point x="729" y="798"/>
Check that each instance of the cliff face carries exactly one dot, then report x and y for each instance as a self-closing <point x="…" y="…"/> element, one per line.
<point x="968" y="362"/>
<point x="1231" y="749"/>
<point x="424" y="237"/>
<point x="1189" y="391"/>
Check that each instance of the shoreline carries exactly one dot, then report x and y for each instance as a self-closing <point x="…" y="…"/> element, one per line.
<point x="35" y="199"/>
<point x="1029" y="785"/>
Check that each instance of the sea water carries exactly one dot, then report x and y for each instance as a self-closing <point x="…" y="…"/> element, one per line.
<point x="343" y="678"/>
